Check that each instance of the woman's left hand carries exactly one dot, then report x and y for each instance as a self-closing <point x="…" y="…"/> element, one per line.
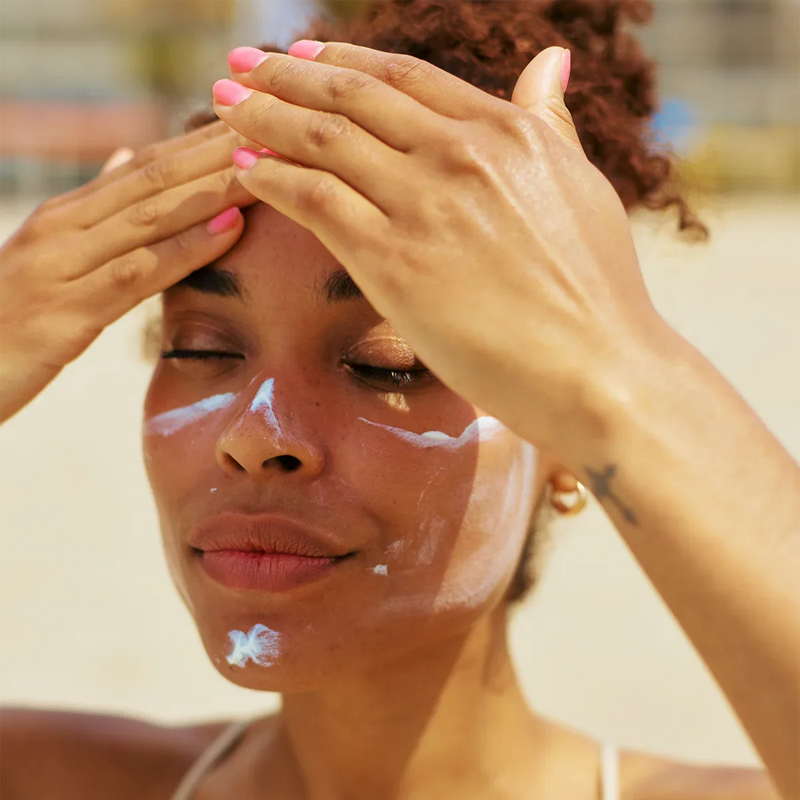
<point x="476" y="226"/>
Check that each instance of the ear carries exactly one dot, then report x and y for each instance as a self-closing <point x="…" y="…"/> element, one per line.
<point x="540" y="90"/>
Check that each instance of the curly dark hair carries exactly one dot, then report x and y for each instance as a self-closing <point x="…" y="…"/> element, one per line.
<point x="611" y="95"/>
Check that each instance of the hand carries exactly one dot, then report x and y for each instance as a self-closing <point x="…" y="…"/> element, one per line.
<point x="478" y="227"/>
<point x="85" y="258"/>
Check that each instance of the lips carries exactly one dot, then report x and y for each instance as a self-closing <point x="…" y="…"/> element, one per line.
<point x="267" y="552"/>
<point x="264" y="533"/>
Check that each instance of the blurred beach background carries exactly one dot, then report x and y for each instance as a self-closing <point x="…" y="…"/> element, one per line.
<point x="89" y="619"/>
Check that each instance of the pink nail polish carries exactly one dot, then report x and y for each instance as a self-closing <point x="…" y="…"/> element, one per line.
<point x="566" y="69"/>
<point x="230" y="93"/>
<point x="225" y="221"/>
<point x="306" y="48"/>
<point x="244" y="157"/>
<point x="245" y="59"/>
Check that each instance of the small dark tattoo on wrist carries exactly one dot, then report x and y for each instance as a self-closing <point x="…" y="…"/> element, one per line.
<point x="601" y="488"/>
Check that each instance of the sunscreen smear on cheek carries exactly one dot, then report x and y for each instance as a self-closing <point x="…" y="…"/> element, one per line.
<point x="171" y="421"/>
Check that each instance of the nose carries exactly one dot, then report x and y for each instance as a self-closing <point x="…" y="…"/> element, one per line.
<point x="265" y="437"/>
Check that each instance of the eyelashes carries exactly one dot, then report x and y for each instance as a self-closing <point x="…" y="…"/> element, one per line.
<point x="398" y="379"/>
<point x="392" y="378"/>
<point x="200" y="355"/>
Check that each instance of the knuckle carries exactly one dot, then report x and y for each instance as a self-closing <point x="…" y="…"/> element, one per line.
<point x="406" y="72"/>
<point x="159" y="174"/>
<point x="263" y="115"/>
<point x="184" y="247"/>
<point x="144" y="215"/>
<point x="145" y="156"/>
<point x="344" y="84"/>
<point x="280" y="72"/>
<point x="127" y="273"/>
<point x="556" y="113"/>
<point x="35" y="227"/>
<point x="323" y="193"/>
<point x="463" y="152"/>
<point x="226" y="184"/>
<point x="325" y="129"/>
<point x="48" y="205"/>
<point x="515" y="127"/>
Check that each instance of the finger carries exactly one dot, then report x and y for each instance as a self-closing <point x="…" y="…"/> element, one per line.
<point x="342" y="219"/>
<point x="429" y="85"/>
<point x="157" y="176"/>
<point x="159" y="218"/>
<point x="125" y="282"/>
<point x="389" y="114"/>
<point x="120" y="157"/>
<point x="540" y="91"/>
<point x="316" y="139"/>
<point x="144" y="156"/>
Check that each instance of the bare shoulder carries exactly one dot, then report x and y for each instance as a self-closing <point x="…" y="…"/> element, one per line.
<point x="69" y="754"/>
<point x="648" y="777"/>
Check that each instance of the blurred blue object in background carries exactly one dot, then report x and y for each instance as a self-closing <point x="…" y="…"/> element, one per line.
<point x="679" y="125"/>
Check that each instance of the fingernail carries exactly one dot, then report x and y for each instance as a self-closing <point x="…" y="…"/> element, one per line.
<point x="244" y="157"/>
<point x="566" y="69"/>
<point x="306" y="48"/>
<point x="229" y="93"/>
<point x="225" y="221"/>
<point x="245" y="59"/>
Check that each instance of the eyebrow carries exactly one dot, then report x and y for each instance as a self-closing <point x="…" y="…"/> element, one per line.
<point x="212" y="280"/>
<point x="338" y="287"/>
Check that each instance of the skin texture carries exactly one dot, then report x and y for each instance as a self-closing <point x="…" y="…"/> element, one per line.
<point x="447" y="519"/>
<point x="416" y="203"/>
<point x="426" y="723"/>
<point x="130" y="233"/>
<point x="416" y="181"/>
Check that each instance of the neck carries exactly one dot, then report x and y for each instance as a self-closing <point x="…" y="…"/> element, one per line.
<point x="448" y="721"/>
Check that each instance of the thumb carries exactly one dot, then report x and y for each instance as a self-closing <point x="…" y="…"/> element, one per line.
<point x="540" y="90"/>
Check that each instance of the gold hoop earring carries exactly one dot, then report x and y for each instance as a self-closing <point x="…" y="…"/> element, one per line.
<point x="569" y="509"/>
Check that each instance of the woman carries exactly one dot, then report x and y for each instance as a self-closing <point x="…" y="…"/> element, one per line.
<point x="349" y="525"/>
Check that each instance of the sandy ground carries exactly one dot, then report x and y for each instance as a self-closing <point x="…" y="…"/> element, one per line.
<point x="89" y="618"/>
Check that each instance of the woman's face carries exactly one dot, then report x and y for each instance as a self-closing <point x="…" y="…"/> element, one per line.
<point x="315" y="413"/>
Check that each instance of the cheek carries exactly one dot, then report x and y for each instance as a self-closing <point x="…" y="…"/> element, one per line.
<point x="490" y="539"/>
<point x="455" y="512"/>
<point x="171" y="442"/>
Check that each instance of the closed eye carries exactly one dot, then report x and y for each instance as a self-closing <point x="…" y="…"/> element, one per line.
<point x="200" y="355"/>
<point x="398" y="379"/>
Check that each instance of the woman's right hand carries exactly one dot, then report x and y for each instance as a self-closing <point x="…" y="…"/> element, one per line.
<point x="85" y="258"/>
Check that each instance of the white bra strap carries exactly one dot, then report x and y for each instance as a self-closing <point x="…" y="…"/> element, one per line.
<point x="610" y="772"/>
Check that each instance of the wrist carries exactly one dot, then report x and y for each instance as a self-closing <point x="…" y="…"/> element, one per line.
<point x="620" y="394"/>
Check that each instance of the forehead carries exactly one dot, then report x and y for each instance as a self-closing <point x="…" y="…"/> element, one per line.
<point x="275" y="255"/>
<point x="274" y="247"/>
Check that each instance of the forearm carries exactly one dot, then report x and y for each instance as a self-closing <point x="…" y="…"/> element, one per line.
<point x="708" y="501"/>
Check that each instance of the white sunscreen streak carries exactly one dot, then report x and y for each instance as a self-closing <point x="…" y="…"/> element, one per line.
<point x="263" y="402"/>
<point x="483" y="426"/>
<point x="381" y="569"/>
<point x="262" y="645"/>
<point x="171" y="421"/>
